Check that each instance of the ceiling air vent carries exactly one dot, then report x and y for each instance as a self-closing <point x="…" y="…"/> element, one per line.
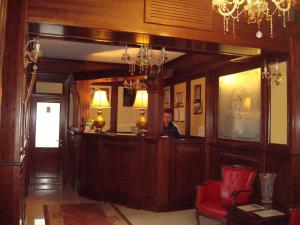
<point x="193" y="14"/>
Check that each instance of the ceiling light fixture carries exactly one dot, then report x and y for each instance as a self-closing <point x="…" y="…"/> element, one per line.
<point x="255" y="10"/>
<point x="146" y="61"/>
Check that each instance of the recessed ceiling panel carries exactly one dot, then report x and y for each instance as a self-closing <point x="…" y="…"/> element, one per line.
<point x="60" y="49"/>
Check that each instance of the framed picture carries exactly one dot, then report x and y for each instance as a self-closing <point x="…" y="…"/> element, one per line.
<point x="197" y="93"/>
<point x="179" y="99"/>
<point x="197" y="108"/>
<point x="167" y="95"/>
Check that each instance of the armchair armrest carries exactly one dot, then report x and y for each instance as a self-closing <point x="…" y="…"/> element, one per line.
<point x="236" y="194"/>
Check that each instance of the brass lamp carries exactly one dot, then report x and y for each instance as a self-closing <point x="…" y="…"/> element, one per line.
<point x="99" y="102"/>
<point x="141" y="102"/>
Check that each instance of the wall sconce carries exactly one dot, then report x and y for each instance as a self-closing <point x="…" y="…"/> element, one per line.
<point x="272" y="72"/>
<point x="33" y="55"/>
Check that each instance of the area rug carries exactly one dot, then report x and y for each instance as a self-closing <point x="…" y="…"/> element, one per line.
<point x="84" y="214"/>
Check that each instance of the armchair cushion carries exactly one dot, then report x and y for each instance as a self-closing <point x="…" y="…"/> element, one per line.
<point x="213" y="209"/>
<point x="209" y="199"/>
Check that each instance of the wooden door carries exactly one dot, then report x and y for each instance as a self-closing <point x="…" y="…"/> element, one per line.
<point x="47" y="142"/>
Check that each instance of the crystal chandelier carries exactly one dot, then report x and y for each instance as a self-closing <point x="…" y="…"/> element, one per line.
<point x="272" y="72"/>
<point x="133" y="85"/>
<point x="145" y="60"/>
<point x="255" y="10"/>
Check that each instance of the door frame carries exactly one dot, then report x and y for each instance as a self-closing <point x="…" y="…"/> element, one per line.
<point x="36" y="183"/>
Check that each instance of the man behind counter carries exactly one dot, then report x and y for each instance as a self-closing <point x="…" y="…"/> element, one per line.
<point x="169" y="128"/>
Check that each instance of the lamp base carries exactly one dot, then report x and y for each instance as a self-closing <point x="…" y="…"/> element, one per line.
<point x="99" y="122"/>
<point x="142" y="122"/>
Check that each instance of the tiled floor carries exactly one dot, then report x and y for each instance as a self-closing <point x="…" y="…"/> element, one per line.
<point x="35" y="202"/>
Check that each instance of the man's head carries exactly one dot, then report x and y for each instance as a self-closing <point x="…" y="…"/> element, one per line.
<point x="167" y="116"/>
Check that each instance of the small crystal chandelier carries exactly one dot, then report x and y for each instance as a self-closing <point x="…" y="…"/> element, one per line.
<point x="272" y="72"/>
<point x="146" y="61"/>
<point x="255" y="10"/>
<point x="134" y="85"/>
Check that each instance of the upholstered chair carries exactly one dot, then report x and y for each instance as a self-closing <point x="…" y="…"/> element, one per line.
<point x="235" y="188"/>
<point x="294" y="216"/>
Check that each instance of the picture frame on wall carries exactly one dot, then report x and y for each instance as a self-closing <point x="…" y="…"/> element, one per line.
<point x="197" y="93"/>
<point x="197" y="108"/>
<point x="179" y="99"/>
<point x="167" y="96"/>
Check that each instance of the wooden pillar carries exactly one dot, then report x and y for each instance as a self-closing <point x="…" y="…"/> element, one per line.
<point x="155" y="105"/>
<point x="12" y="27"/>
<point x="114" y="108"/>
<point x="294" y="117"/>
<point x="210" y="125"/>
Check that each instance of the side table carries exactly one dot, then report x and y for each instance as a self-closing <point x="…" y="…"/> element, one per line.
<point x="237" y="216"/>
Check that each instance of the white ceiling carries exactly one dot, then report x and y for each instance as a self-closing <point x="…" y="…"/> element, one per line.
<point x="60" y="49"/>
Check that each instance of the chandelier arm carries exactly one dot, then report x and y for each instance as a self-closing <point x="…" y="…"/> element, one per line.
<point x="229" y="13"/>
<point x="280" y="8"/>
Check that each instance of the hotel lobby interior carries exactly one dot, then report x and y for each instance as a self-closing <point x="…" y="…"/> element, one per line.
<point x="149" y="112"/>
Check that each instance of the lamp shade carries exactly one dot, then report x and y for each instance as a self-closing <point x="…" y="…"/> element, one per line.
<point x="100" y="100"/>
<point x="141" y="100"/>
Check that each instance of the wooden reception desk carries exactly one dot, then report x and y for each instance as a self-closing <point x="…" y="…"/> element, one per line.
<point x="158" y="174"/>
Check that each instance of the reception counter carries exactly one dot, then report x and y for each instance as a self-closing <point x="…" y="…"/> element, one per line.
<point x="158" y="174"/>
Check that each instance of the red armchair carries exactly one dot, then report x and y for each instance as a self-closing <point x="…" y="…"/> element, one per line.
<point x="235" y="188"/>
<point x="294" y="217"/>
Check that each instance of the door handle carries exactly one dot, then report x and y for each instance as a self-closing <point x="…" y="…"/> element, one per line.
<point x="60" y="142"/>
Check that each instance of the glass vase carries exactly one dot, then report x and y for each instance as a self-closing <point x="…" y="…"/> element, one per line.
<point x="267" y="183"/>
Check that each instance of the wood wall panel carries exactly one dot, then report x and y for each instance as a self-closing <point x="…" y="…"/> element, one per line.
<point x="186" y="160"/>
<point x="278" y="162"/>
<point x="10" y="201"/>
<point x="128" y="16"/>
<point x="158" y="174"/>
<point x="195" y="14"/>
<point x="295" y="164"/>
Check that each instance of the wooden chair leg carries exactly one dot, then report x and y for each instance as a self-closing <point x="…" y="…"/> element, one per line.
<point x="197" y="216"/>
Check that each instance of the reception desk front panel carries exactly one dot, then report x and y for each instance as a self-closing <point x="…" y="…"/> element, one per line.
<point x="158" y="174"/>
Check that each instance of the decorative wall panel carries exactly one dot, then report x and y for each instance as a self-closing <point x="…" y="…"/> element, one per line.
<point x="195" y="14"/>
<point x="240" y="106"/>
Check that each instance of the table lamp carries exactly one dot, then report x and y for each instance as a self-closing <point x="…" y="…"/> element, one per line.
<point x="141" y="102"/>
<point x="99" y="102"/>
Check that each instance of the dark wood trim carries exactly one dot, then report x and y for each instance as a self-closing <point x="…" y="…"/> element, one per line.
<point x="114" y="108"/>
<point x="188" y="109"/>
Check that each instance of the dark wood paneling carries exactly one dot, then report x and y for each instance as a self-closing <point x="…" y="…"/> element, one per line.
<point x="187" y="171"/>
<point x="278" y="162"/>
<point x="10" y="194"/>
<point x="12" y="169"/>
<point x="295" y="184"/>
<point x="12" y="79"/>
<point x="158" y="174"/>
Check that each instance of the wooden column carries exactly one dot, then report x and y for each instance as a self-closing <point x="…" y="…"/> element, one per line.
<point x="294" y="117"/>
<point x="155" y="105"/>
<point x="12" y="23"/>
<point x="114" y="108"/>
<point x="211" y="101"/>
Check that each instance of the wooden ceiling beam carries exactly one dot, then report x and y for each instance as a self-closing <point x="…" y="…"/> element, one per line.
<point x="108" y="73"/>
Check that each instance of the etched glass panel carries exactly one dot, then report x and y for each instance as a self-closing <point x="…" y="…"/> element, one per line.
<point x="240" y="106"/>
